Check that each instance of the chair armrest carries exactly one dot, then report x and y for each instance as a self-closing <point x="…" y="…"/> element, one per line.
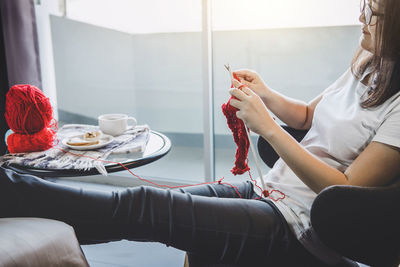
<point x="268" y="154"/>
<point x="39" y="242"/>
<point x="361" y="223"/>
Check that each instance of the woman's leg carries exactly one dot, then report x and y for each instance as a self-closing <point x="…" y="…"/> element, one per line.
<point x="229" y="230"/>
<point x="238" y="190"/>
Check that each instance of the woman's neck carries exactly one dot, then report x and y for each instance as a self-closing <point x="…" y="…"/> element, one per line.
<point x="364" y="61"/>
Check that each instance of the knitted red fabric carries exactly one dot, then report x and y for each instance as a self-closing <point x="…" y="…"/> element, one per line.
<point x="239" y="136"/>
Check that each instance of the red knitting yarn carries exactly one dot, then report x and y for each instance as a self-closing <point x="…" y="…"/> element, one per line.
<point x="29" y="114"/>
<point x="23" y="143"/>
<point x="239" y="136"/>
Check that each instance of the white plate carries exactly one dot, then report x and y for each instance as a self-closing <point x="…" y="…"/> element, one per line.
<point x="104" y="140"/>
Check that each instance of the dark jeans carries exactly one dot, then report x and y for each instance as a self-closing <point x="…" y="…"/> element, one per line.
<point x="210" y="222"/>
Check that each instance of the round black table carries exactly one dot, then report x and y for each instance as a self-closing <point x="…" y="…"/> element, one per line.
<point x="157" y="147"/>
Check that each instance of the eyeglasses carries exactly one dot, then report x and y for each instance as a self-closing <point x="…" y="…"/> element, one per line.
<point x="368" y="13"/>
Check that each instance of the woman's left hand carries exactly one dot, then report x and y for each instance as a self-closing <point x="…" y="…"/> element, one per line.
<point x="252" y="110"/>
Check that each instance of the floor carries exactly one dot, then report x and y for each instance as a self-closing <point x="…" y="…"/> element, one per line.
<point x="133" y="254"/>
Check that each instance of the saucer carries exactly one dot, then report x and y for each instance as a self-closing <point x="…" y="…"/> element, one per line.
<point x="104" y="140"/>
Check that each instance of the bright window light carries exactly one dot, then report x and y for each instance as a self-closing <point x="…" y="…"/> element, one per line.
<point x="139" y="16"/>
<point x="155" y="16"/>
<point x="263" y="14"/>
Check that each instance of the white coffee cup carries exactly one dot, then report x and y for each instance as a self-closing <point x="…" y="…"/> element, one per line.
<point x="115" y="124"/>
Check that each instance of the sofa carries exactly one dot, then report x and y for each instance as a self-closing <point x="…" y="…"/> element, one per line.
<point x="38" y="242"/>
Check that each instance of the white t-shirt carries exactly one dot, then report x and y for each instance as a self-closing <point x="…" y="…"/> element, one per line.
<point x="341" y="129"/>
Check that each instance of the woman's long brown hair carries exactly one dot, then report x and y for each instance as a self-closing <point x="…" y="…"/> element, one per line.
<point x="384" y="64"/>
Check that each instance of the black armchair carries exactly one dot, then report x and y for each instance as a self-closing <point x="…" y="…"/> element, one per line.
<point x="360" y="223"/>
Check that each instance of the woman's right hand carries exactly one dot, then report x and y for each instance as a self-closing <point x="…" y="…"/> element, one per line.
<point x="252" y="80"/>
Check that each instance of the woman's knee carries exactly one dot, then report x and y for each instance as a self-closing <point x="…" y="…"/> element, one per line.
<point x="221" y="190"/>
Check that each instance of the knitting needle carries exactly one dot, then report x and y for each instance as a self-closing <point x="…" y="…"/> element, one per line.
<point x="251" y="142"/>
<point x="256" y="159"/>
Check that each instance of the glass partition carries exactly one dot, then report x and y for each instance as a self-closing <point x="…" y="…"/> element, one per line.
<point x="298" y="48"/>
<point x="142" y="58"/>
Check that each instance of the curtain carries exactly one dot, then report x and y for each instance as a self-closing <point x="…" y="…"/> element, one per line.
<point x="19" y="51"/>
<point x="3" y="90"/>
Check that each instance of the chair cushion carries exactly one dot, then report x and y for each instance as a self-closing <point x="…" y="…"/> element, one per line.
<point x="38" y="242"/>
<point x="361" y="223"/>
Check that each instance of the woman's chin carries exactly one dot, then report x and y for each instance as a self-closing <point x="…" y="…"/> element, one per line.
<point x="366" y="45"/>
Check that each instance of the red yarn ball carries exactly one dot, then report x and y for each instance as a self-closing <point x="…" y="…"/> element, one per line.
<point x="29" y="114"/>
<point x="23" y="143"/>
<point x="28" y="110"/>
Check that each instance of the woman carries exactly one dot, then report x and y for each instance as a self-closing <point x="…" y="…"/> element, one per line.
<point x="211" y="222"/>
<point x="354" y="125"/>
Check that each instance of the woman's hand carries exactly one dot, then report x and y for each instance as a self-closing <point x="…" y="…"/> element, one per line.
<point x="252" y="110"/>
<point x="253" y="81"/>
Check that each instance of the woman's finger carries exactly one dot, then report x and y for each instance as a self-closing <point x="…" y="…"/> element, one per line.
<point x="236" y="83"/>
<point x="242" y="87"/>
<point x="248" y="84"/>
<point x="247" y="90"/>
<point x="237" y="93"/>
<point x="239" y="114"/>
<point x="244" y="74"/>
<point x="235" y="103"/>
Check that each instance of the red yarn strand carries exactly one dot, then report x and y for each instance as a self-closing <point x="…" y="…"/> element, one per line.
<point x="269" y="194"/>
<point x="29" y="115"/>
<point x="149" y="181"/>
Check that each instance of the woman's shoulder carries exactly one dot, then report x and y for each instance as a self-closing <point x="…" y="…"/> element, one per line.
<point x="339" y="83"/>
<point x="393" y="104"/>
<point x="347" y="76"/>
